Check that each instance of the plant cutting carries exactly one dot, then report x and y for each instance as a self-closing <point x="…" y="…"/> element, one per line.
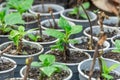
<point x="7" y="65"/>
<point x="44" y="10"/>
<point x="48" y="69"/>
<point x="98" y="69"/>
<point x="61" y="49"/>
<point x="7" y="23"/>
<point x="21" y="49"/>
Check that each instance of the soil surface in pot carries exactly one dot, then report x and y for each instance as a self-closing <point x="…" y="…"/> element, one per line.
<point x="74" y="57"/>
<point x="45" y="11"/>
<point x="85" y="44"/>
<point x="109" y="33"/>
<point x="34" y="73"/>
<point x="28" y="18"/>
<point x="51" y="26"/>
<point x="5" y="64"/>
<point x="26" y="50"/>
<point x="112" y="55"/>
<point x="96" y="74"/>
<point x="44" y="39"/>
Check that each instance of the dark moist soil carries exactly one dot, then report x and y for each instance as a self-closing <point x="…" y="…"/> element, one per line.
<point x="29" y="18"/>
<point x="5" y="64"/>
<point x="112" y="55"/>
<point x="109" y="33"/>
<point x="85" y="45"/>
<point x="34" y="74"/>
<point x="73" y="16"/>
<point x="38" y="11"/>
<point x="75" y="56"/>
<point x="45" y="38"/>
<point x="26" y="50"/>
<point x="96" y="74"/>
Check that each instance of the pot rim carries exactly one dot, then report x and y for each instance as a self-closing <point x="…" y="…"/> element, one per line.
<point x="75" y="20"/>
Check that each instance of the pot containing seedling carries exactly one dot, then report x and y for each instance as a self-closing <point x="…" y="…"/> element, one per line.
<point x="79" y="15"/>
<point x="7" y="23"/>
<point x="22" y="7"/>
<point x="7" y="65"/>
<point x="114" y="52"/>
<point x="45" y="10"/>
<point x="109" y="31"/>
<point x="61" y="50"/>
<point x="99" y="68"/>
<point x="21" y="49"/>
<point x="47" y="69"/>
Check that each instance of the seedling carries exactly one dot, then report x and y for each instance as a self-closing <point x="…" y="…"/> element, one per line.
<point x="7" y="20"/>
<point x="78" y="8"/>
<point x="20" y="5"/>
<point x="64" y="40"/>
<point x="117" y="46"/>
<point x="48" y="66"/>
<point x="33" y="37"/>
<point x="16" y="36"/>
<point x="107" y="70"/>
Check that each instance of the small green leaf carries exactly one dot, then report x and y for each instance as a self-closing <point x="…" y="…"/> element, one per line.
<point x="108" y="77"/>
<point x="76" y="29"/>
<point x="32" y="37"/>
<point x="104" y="67"/>
<point x="114" y="66"/>
<point x="48" y="70"/>
<point x="13" y="18"/>
<point x="86" y="5"/>
<point x="21" y="29"/>
<point x="83" y="15"/>
<point x="73" y="41"/>
<point x="47" y="59"/>
<point x="54" y="33"/>
<point x="8" y="29"/>
<point x="36" y="64"/>
<point x="116" y="50"/>
<point x="117" y="44"/>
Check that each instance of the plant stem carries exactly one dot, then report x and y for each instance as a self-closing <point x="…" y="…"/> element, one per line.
<point x="43" y="9"/>
<point x="20" y="45"/>
<point x="78" y="12"/>
<point x="91" y="42"/>
<point x="40" y="28"/>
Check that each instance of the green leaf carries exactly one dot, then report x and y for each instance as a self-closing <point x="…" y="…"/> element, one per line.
<point x="86" y="5"/>
<point x="116" y="50"/>
<point x="54" y="33"/>
<point x="48" y="70"/>
<point x="32" y="37"/>
<point x="47" y="59"/>
<point x="13" y="18"/>
<point x="36" y="64"/>
<point x="104" y="67"/>
<point x="76" y="29"/>
<point x="73" y="41"/>
<point x="83" y="15"/>
<point x="117" y="44"/>
<point x="64" y="24"/>
<point x="114" y="66"/>
<point x="108" y="77"/>
<point x="61" y="66"/>
<point x="74" y="11"/>
<point x="21" y="28"/>
<point x="8" y="29"/>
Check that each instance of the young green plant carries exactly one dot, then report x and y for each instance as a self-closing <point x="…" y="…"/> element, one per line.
<point x="107" y="70"/>
<point x="117" y="46"/>
<point x="8" y="20"/>
<point x="62" y="43"/>
<point x="48" y="66"/>
<point x="76" y="10"/>
<point x="17" y="36"/>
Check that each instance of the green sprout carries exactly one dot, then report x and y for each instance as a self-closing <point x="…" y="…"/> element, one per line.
<point x="62" y="43"/>
<point x="48" y="66"/>
<point x="117" y="46"/>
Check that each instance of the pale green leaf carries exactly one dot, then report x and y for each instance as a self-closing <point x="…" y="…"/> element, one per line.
<point x="114" y="66"/>
<point x="36" y="64"/>
<point x="73" y="41"/>
<point x="108" y="77"/>
<point x="76" y="29"/>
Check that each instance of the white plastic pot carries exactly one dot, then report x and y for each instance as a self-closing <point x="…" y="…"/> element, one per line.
<point x="113" y="38"/>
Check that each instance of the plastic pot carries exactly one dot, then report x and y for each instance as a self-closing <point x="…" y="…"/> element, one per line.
<point x="91" y="52"/>
<point x="7" y="73"/>
<point x="67" y="78"/>
<point x="73" y="66"/>
<point x="114" y="38"/>
<point x="20" y="59"/>
<point x="85" y="65"/>
<point x="56" y="14"/>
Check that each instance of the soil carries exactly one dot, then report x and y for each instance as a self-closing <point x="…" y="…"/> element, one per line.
<point x="109" y="33"/>
<point x="29" y="18"/>
<point x="5" y="64"/>
<point x="53" y="27"/>
<point x="75" y="56"/>
<point x="85" y="45"/>
<point x="34" y="74"/>
<point x="112" y="55"/>
<point x="26" y="50"/>
<point x="45" y="38"/>
<point x="96" y="74"/>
